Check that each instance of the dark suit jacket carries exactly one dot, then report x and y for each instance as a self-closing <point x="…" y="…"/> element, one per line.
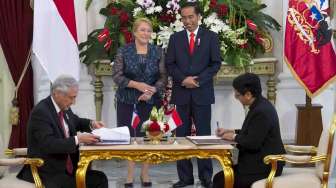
<point x="46" y="139"/>
<point x="204" y="63"/>
<point x="259" y="136"/>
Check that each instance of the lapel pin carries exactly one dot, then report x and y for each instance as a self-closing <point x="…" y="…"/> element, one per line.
<point x="198" y="41"/>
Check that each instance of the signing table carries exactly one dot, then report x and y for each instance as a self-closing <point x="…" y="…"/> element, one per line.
<point x="155" y="154"/>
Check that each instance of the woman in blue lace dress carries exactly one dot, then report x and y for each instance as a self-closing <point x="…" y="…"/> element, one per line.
<point x="140" y="75"/>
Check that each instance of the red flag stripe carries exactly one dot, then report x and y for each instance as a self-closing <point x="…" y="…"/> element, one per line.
<point x="67" y="11"/>
<point x="176" y="118"/>
<point x="135" y="120"/>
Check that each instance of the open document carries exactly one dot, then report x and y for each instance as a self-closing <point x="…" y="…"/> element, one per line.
<point x="208" y="140"/>
<point x="119" y="135"/>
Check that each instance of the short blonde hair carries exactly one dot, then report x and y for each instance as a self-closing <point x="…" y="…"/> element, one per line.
<point x="138" y="21"/>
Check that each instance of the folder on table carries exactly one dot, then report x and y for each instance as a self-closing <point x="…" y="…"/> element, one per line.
<point x="208" y="140"/>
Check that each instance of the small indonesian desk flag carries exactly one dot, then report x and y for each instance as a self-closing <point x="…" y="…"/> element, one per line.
<point x="135" y="118"/>
<point x="174" y="119"/>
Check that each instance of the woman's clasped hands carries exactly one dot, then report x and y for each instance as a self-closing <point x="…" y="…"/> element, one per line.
<point x="147" y="91"/>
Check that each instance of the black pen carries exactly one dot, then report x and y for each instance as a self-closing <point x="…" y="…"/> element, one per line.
<point x="217" y="124"/>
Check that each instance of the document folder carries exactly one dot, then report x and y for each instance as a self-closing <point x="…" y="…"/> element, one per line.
<point x="208" y="140"/>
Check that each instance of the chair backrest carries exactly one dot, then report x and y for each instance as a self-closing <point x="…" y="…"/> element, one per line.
<point x="325" y="148"/>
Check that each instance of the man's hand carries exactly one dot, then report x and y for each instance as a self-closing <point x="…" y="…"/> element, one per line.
<point x="97" y="124"/>
<point x="221" y="131"/>
<point x="190" y="82"/>
<point x="229" y="136"/>
<point x="87" y="138"/>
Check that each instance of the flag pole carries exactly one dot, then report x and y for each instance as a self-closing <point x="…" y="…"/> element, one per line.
<point x="135" y="141"/>
<point x="134" y="128"/>
<point x="308" y="101"/>
<point x="175" y="141"/>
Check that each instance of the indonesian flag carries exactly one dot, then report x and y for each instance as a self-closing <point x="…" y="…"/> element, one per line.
<point x="135" y="119"/>
<point x="173" y="119"/>
<point x="309" y="50"/>
<point x="55" y="37"/>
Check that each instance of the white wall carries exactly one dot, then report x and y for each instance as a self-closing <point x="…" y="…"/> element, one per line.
<point x="6" y="95"/>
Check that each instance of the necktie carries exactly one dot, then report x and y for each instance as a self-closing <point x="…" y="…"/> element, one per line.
<point x="69" y="166"/>
<point x="192" y="43"/>
<point x="61" y="119"/>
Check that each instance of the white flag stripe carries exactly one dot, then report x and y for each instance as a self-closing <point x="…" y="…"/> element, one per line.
<point x="171" y="123"/>
<point x="53" y="45"/>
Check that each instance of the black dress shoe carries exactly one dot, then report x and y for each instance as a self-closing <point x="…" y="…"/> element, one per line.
<point x="207" y="184"/>
<point x="182" y="184"/>
<point x="145" y="183"/>
<point x="129" y="185"/>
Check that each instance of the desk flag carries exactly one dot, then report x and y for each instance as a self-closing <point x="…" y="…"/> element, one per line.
<point x="174" y="119"/>
<point x="135" y="118"/>
<point x="309" y="50"/>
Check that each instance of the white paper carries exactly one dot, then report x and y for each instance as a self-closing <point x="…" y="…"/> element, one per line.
<point x="119" y="135"/>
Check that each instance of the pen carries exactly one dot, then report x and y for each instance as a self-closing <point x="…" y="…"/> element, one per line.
<point x="217" y="124"/>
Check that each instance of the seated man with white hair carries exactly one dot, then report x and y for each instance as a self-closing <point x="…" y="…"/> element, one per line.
<point x="52" y="136"/>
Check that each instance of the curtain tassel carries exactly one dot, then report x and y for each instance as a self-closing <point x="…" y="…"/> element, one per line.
<point x="14" y="112"/>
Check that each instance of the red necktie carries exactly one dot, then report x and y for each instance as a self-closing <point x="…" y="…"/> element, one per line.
<point x="69" y="166"/>
<point x="192" y="43"/>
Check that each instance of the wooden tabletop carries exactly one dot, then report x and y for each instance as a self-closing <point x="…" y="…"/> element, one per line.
<point x="181" y="144"/>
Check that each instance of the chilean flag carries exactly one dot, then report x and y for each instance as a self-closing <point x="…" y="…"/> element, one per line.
<point x="135" y="119"/>
<point x="309" y="49"/>
<point x="55" y="37"/>
<point x="174" y="119"/>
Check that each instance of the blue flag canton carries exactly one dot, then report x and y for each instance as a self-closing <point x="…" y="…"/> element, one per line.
<point x="316" y="14"/>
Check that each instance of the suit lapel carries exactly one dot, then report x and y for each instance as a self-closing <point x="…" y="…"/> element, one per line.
<point x="70" y="125"/>
<point x="198" y="40"/>
<point x="185" y="41"/>
<point x="54" y="115"/>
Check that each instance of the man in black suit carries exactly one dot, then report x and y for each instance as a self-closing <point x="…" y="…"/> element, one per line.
<point x="258" y="137"/>
<point x="52" y="136"/>
<point x="193" y="59"/>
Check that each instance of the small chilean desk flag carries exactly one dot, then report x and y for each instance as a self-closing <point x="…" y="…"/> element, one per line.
<point x="135" y="118"/>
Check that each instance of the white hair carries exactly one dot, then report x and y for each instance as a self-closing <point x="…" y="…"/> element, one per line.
<point x="63" y="83"/>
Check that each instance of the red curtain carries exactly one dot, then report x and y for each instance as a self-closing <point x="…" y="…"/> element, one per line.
<point x="16" y="31"/>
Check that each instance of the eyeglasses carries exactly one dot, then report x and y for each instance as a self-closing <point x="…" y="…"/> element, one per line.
<point x="237" y="95"/>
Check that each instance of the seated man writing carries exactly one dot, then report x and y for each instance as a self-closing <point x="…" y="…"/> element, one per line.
<point x="258" y="137"/>
<point x="52" y="136"/>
